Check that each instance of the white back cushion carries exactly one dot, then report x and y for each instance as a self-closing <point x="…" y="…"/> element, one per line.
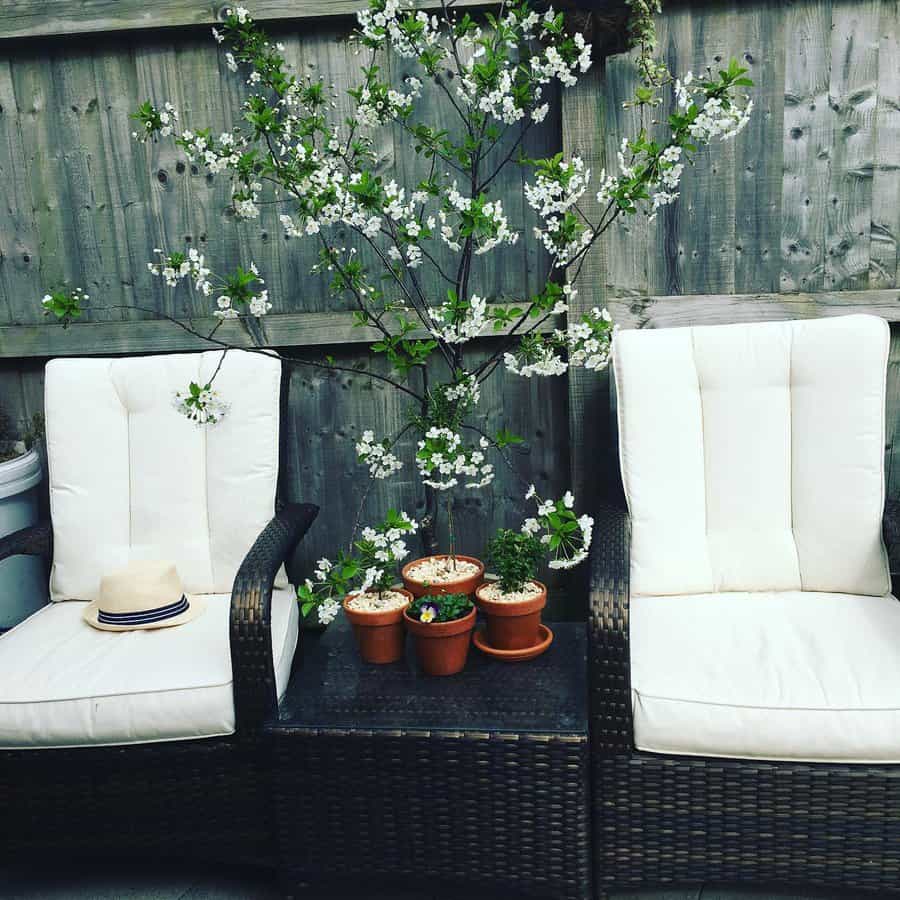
<point x="753" y="456"/>
<point x="131" y="478"/>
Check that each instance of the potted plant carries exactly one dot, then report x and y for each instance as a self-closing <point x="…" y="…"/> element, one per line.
<point x="23" y="579"/>
<point x="442" y="625"/>
<point x="375" y="608"/>
<point x="512" y="603"/>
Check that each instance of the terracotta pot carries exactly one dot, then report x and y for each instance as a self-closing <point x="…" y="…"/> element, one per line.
<point x="380" y="636"/>
<point x="442" y="647"/>
<point x="462" y="586"/>
<point x="513" y="626"/>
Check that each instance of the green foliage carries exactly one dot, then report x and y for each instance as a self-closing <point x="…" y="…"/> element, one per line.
<point x="442" y="608"/>
<point x="515" y="557"/>
<point x="370" y="565"/>
<point x="66" y="305"/>
<point x="33" y="431"/>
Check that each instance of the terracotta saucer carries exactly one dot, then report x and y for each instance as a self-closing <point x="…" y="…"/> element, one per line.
<point x="546" y="639"/>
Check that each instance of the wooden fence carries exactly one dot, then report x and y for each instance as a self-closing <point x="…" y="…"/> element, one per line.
<point x="797" y="217"/>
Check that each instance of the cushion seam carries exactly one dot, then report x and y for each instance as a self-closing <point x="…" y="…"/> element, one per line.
<point x="828" y="709"/>
<point x="712" y="574"/>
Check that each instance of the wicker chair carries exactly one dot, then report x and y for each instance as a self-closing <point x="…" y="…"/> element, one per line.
<point x="698" y="812"/>
<point x="207" y="797"/>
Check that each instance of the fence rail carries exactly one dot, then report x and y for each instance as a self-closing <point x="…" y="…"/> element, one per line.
<point x="37" y="18"/>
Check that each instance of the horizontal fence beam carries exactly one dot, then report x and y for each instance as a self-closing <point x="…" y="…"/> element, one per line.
<point x="314" y="329"/>
<point x="40" y="18"/>
<point x="319" y="329"/>
<point x="719" y="309"/>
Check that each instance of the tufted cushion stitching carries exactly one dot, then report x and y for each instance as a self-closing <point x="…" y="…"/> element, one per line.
<point x="799" y="382"/>
<point x="209" y="539"/>
<point x="702" y="446"/>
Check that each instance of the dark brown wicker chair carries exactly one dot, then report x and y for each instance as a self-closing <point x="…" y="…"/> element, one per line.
<point x="679" y="819"/>
<point x="207" y="798"/>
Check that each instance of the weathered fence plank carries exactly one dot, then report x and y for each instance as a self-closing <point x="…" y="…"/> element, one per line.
<point x="721" y="309"/>
<point x="582" y="123"/>
<point x="885" y="229"/>
<point x="758" y="158"/>
<point x="162" y="335"/>
<point x="853" y="96"/>
<point x="37" y="18"/>
<point x="807" y="144"/>
<point x="19" y="267"/>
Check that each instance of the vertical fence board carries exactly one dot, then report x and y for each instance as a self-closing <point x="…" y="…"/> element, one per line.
<point x="807" y="144"/>
<point x="19" y="242"/>
<point x="758" y="150"/>
<point x="885" y="230"/>
<point x="852" y="96"/>
<point x="629" y="251"/>
<point x="583" y="121"/>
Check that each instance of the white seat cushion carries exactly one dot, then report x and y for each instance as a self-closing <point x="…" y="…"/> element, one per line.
<point x="66" y="684"/>
<point x="753" y="455"/>
<point x="791" y="676"/>
<point x="132" y="479"/>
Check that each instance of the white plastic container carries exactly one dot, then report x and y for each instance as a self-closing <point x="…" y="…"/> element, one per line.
<point x="23" y="579"/>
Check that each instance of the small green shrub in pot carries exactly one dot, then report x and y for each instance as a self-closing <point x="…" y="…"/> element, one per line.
<point x="514" y="557"/>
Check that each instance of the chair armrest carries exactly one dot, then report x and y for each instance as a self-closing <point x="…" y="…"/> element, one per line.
<point x="891" y="533"/>
<point x="35" y="540"/>
<point x="251" y="626"/>
<point x="610" y="660"/>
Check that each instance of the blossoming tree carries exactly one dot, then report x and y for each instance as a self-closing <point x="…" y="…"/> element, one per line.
<point x="506" y="68"/>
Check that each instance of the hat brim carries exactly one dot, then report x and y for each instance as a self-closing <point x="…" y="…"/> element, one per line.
<point x="196" y="608"/>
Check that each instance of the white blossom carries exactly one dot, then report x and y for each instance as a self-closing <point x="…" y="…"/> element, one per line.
<point x="377" y="456"/>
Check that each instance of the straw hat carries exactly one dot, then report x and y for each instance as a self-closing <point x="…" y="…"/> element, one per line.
<point x="146" y="594"/>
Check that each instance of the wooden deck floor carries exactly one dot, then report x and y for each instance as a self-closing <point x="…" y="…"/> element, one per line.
<point x="129" y="882"/>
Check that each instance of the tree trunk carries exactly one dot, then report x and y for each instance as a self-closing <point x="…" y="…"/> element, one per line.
<point x="428" y="529"/>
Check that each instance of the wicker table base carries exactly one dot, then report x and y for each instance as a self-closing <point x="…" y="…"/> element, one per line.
<point x="386" y="774"/>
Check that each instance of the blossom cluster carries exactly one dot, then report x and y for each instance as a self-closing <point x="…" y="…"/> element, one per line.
<point x="535" y="356"/>
<point x="378" y="103"/>
<point x="480" y="218"/>
<point x="466" y="392"/>
<point x="586" y="343"/>
<point x="153" y="121"/>
<point x="65" y="304"/>
<point x="407" y="32"/>
<point x="557" y="188"/>
<point x="648" y="170"/>
<point x="566" y="535"/>
<point x="455" y="322"/>
<point x="201" y="405"/>
<point x="371" y="564"/>
<point x="442" y="458"/>
<point x="172" y="267"/>
<point x="216" y="155"/>
<point x="502" y="80"/>
<point x="377" y="456"/>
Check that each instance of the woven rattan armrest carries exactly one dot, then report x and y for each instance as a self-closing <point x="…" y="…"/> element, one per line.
<point x="251" y="627"/>
<point x="35" y="540"/>
<point x="611" y="722"/>
<point x="891" y="531"/>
